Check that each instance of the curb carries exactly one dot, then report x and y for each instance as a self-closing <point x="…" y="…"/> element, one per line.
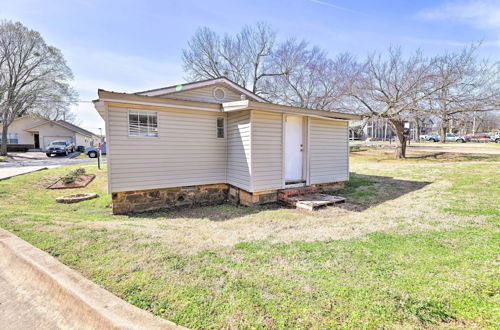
<point x="68" y="298"/>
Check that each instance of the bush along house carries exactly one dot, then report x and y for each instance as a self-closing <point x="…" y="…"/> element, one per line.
<point x="213" y="141"/>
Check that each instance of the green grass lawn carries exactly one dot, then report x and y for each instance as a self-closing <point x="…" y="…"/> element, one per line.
<point x="3" y="158"/>
<point x="416" y="245"/>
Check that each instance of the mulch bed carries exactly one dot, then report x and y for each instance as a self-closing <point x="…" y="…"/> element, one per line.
<point x="80" y="182"/>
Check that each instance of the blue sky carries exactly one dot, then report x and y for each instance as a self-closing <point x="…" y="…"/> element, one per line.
<point x="136" y="45"/>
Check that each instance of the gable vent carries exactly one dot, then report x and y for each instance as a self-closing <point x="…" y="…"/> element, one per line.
<point x="219" y="94"/>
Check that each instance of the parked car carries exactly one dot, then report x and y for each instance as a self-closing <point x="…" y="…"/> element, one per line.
<point x="450" y="137"/>
<point x="478" y="137"/>
<point x="60" y="148"/>
<point x="431" y="138"/>
<point x="495" y="137"/>
<point x="92" y="152"/>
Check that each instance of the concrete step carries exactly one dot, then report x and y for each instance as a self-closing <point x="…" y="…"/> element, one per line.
<point x="313" y="201"/>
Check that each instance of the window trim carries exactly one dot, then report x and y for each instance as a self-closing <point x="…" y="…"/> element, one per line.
<point x="141" y="136"/>
<point x="12" y="136"/>
<point x="223" y="127"/>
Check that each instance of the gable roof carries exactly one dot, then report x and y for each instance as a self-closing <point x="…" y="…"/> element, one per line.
<point x="64" y="124"/>
<point x="75" y="128"/>
<point x="199" y="84"/>
<point x="155" y="101"/>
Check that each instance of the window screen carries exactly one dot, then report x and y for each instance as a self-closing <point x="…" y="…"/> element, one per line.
<point x="142" y="123"/>
<point x="220" y="127"/>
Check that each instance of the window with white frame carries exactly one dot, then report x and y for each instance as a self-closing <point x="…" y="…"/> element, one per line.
<point x="142" y="123"/>
<point x="12" y="138"/>
<point x="220" y="127"/>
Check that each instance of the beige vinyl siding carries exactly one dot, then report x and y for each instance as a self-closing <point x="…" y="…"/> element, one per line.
<point x="186" y="151"/>
<point x="19" y="127"/>
<point x="205" y="94"/>
<point x="239" y="149"/>
<point x="267" y="151"/>
<point x="328" y="151"/>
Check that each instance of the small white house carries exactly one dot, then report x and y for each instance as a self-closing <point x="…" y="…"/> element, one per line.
<point x="209" y="141"/>
<point x="38" y="133"/>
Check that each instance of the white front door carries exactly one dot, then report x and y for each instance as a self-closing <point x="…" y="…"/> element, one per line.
<point x="294" y="146"/>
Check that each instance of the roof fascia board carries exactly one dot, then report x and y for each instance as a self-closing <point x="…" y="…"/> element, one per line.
<point x="287" y="108"/>
<point x="105" y="96"/>
<point x="252" y="105"/>
<point x="59" y="124"/>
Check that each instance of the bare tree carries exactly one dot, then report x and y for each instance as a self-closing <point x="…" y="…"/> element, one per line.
<point x="482" y="121"/>
<point x="243" y="58"/>
<point x="390" y="86"/>
<point x="465" y="87"/>
<point x="33" y="76"/>
<point x="310" y="79"/>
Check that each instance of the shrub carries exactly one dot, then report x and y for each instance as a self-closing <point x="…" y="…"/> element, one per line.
<point x="71" y="176"/>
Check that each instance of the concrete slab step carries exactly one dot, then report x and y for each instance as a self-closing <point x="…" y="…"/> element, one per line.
<point x="313" y="202"/>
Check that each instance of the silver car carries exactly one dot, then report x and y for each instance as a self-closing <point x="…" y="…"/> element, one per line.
<point x="60" y="148"/>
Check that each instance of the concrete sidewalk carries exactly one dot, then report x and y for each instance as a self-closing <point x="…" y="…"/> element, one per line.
<point x="8" y="172"/>
<point x="38" y="292"/>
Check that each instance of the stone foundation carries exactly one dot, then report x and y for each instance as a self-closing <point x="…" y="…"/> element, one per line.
<point x="153" y="199"/>
<point x="202" y="195"/>
<point x="329" y="187"/>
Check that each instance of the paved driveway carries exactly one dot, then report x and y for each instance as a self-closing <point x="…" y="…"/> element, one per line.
<point x="21" y="159"/>
<point x="26" y="162"/>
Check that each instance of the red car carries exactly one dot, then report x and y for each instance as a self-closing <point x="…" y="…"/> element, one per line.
<point x="478" y="137"/>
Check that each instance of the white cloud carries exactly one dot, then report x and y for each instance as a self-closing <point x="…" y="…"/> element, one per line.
<point x="483" y="14"/>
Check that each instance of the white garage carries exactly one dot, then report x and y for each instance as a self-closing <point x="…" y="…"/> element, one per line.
<point x="48" y="139"/>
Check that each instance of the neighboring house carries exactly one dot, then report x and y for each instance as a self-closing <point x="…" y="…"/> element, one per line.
<point x="204" y="142"/>
<point x="40" y="132"/>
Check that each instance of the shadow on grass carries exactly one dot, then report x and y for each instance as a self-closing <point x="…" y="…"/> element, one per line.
<point x="434" y="155"/>
<point x="364" y="191"/>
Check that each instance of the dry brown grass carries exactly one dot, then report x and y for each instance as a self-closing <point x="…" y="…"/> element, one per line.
<point x="394" y="203"/>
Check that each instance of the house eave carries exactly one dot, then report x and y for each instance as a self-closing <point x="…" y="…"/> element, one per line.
<point x="264" y="106"/>
<point x="125" y="99"/>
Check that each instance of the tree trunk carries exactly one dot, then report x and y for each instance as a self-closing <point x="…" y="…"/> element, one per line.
<point x="399" y="129"/>
<point x="3" y="148"/>
<point x="442" y="132"/>
<point x="418" y="129"/>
